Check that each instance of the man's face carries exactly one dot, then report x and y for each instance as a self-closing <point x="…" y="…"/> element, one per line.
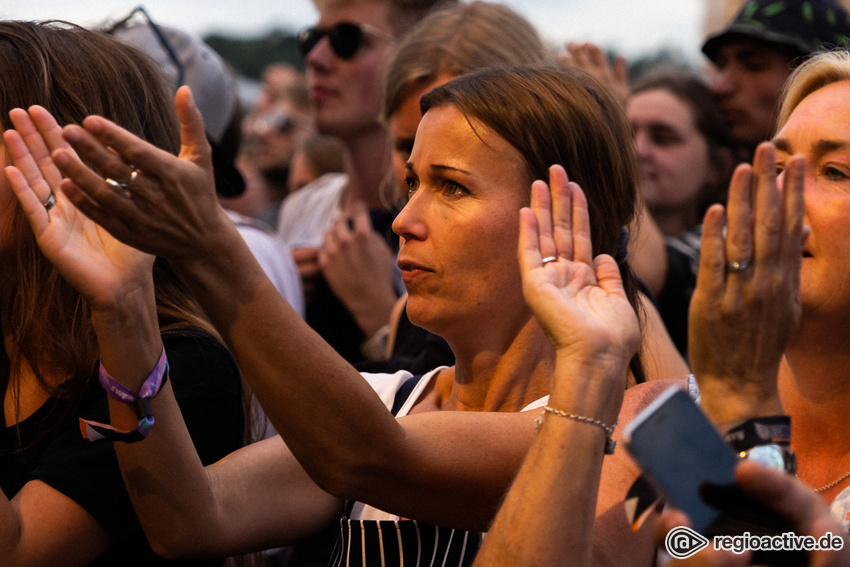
<point x="276" y="133"/>
<point x="748" y="81"/>
<point x="347" y="92"/>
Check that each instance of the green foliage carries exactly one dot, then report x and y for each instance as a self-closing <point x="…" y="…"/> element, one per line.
<point x="250" y="55"/>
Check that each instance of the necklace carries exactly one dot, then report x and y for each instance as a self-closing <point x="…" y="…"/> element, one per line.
<point x="832" y="484"/>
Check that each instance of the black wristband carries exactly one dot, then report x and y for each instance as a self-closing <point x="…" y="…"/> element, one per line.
<point x="773" y="430"/>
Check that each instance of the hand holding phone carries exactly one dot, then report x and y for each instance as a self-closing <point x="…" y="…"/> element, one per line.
<point x="686" y="460"/>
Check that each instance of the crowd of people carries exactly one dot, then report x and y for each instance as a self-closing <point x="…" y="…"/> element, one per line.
<point x="398" y="309"/>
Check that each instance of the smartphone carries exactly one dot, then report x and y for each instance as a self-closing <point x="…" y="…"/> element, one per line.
<point x="686" y="460"/>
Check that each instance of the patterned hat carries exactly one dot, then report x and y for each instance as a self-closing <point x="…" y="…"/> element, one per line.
<point x="803" y="26"/>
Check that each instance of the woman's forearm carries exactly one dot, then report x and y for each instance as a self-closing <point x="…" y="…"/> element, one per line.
<point x="299" y="379"/>
<point x="548" y="515"/>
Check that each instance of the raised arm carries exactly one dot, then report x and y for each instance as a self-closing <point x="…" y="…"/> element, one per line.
<point x="548" y="515"/>
<point x="445" y="467"/>
<point x="747" y="302"/>
<point x="116" y="282"/>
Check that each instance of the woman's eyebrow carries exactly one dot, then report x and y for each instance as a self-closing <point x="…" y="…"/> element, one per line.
<point x="782" y="145"/>
<point x="449" y="168"/>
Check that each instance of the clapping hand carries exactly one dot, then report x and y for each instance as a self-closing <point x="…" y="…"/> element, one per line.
<point x="102" y="269"/>
<point x="169" y="207"/>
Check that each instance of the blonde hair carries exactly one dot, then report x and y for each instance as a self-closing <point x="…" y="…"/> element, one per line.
<point x="817" y="72"/>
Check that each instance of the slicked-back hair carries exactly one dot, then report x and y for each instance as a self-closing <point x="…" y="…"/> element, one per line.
<point x="401" y="14"/>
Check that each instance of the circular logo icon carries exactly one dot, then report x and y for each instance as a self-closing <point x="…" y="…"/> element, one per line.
<point x="682" y="542"/>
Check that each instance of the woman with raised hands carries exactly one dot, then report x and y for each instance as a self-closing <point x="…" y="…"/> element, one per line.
<point x="548" y="515"/>
<point x="771" y="299"/>
<point x="482" y="141"/>
<point x="70" y="296"/>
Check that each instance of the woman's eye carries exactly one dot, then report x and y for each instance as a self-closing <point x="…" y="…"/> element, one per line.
<point x="412" y="184"/>
<point x="453" y="188"/>
<point x="834" y="173"/>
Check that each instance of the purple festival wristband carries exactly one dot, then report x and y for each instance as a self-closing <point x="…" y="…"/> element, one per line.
<point x="95" y="431"/>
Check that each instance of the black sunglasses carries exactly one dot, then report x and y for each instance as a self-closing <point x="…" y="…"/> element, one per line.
<point x="346" y="38"/>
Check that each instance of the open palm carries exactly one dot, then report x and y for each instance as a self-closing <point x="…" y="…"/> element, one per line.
<point x="101" y="268"/>
<point x="578" y="300"/>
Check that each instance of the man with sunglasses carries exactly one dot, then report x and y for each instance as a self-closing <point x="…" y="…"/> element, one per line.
<point x="346" y="53"/>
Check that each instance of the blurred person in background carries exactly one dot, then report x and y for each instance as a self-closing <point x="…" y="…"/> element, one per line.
<point x="315" y="156"/>
<point x="346" y="55"/>
<point x="685" y="160"/>
<point x="755" y="54"/>
<point x="273" y="131"/>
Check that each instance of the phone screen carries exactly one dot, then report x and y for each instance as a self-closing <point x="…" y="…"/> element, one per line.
<point x="681" y="453"/>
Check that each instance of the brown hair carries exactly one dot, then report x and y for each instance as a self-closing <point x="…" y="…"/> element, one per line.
<point x="555" y="115"/>
<point x="74" y="72"/>
<point x="401" y="14"/>
<point x="458" y="39"/>
<point x="697" y="96"/>
<point x="323" y="153"/>
<point x="817" y="72"/>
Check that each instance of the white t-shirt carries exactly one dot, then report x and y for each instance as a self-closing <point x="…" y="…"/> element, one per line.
<point x="308" y="213"/>
<point x="274" y="257"/>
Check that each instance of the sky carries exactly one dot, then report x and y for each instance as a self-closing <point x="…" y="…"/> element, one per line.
<point x="631" y="27"/>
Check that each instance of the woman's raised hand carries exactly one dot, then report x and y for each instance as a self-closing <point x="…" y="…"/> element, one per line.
<point x="102" y="269"/>
<point x="747" y="300"/>
<point x="578" y="300"/>
<point x="169" y="207"/>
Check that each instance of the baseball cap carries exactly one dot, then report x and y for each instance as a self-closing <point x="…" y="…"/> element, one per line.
<point x="804" y="26"/>
<point x="187" y="60"/>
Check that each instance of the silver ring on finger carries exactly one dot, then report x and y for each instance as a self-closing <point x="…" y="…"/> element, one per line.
<point x="738" y="266"/>
<point x="548" y="259"/>
<point x="50" y="202"/>
<point x="123" y="188"/>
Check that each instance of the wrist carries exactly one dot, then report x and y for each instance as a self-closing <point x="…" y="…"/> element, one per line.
<point x="126" y="302"/>
<point x="727" y="402"/>
<point x="765" y="440"/>
<point x="589" y="387"/>
<point x="373" y="313"/>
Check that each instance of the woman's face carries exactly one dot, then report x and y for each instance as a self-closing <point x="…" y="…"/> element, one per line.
<point x="673" y="159"/>
<point x="459" y="229"/>
<point x="819" y="129"/>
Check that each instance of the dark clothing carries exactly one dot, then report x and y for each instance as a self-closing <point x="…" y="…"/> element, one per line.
<point x="415" y="350"/>
<point x="683" y="253"/>
<point x="329" y="317"/>
<point x="207" y="386"/>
